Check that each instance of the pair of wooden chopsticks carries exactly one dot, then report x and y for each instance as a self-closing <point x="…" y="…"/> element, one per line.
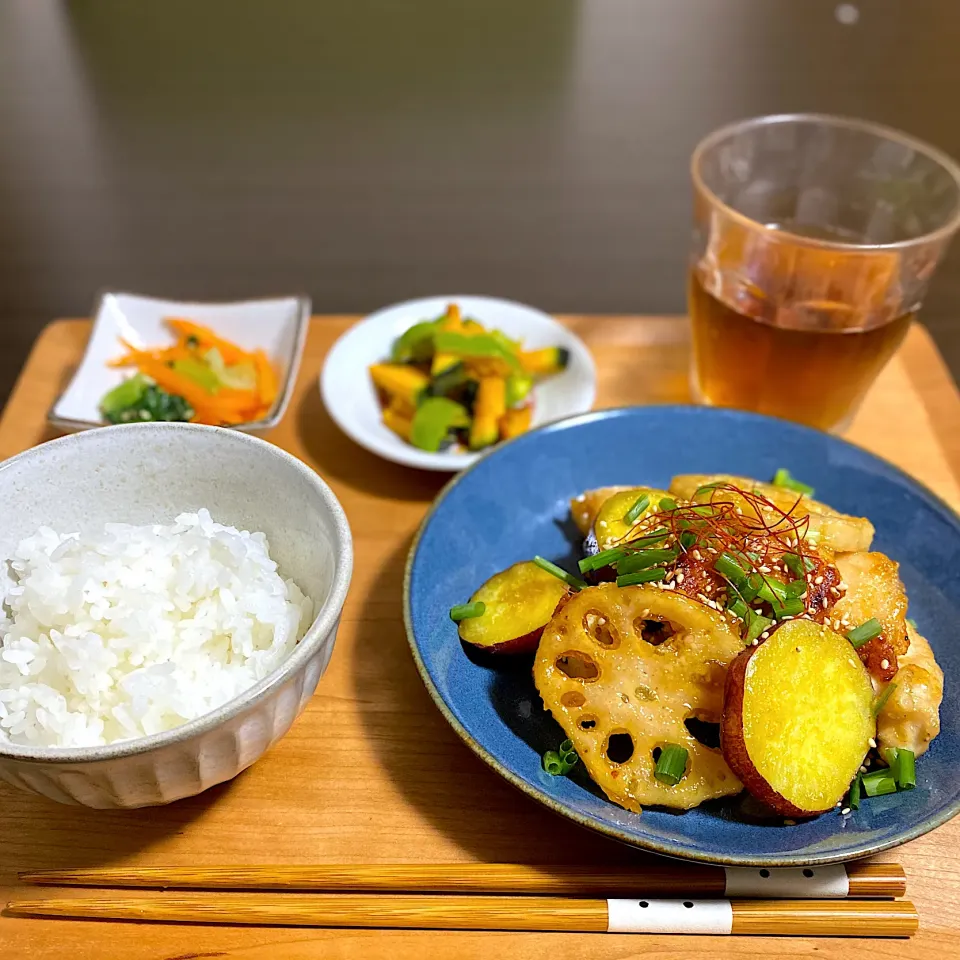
<point x="817" y="901"/>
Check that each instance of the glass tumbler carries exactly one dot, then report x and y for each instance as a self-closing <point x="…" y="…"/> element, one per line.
<point x="814" y="241"/>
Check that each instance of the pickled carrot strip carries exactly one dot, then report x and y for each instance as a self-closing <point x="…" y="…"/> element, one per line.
<point x="230" y="352"/>
<point x="266" y="379"/>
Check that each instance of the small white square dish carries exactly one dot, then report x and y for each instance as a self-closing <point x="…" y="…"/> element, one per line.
<point x="276" y="326"/>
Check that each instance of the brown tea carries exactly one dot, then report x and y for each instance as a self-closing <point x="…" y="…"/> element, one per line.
<point x="814" y="371"/>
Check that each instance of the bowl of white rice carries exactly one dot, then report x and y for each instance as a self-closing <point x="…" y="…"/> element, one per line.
<point x="169" y="599"/>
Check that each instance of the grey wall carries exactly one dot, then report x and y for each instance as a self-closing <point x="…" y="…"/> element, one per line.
<point x="371" y="150"/>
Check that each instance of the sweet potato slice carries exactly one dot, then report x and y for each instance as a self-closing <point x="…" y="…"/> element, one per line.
<point x="797" y="718"/>
<point x="827" y="527"/>
<point x="519" y="602"/>
<point x="585" y="507"/>
<point x="609" y="526"/>
<point x="624" y="671"/>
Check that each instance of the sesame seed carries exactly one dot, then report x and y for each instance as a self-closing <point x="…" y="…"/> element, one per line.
<point x="884" y="663"/>
<point x="798" y="649"/>
<point x="842" y="585"/>
<point x="696" y="555"/>
<point x="581" y="498"/>
<point x="844" y="811"/>
<point x="863" y="768"/>
<point x="680" y="577"/>
<point x="755" y="642"/>
<point x="601" y="620"/>
<point x="873" y="743"/>
<point x="764" y="569"/>
<point x="851" y="661"/>
<point x="839" y="803"/>
<point x="818" y="581"/>
<point x="763" y="636"/>
<point x="834" y="591"/>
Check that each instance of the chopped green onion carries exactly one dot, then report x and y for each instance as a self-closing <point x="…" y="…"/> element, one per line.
<point x="751" y="588"/>
<point x="466" y="611"/>
<point x="687" y="539"/>
<point x="867" y="630"/>
<point x="854" y="799"/>
<point x="738" y="608"/>
<point x="643" y="559"/>
<point x="641" y="576"/>
<point x="913" y="623"/>
<point x="890" y="755"/>
<point x="795" y="589"/>
<point x="878" y="783"/>
<point x="729" y="569"/>
<point x="797" y="565"/>
<point x="756" y="625"/>
<point x="906" y="769"/>
<point x="559" y="573"/>
<point x="708" y="487"/>
<point x="633" y="514"/>
<point x="783" y="478"/>
<point x="881" y="701"/>
<point x="671" y="765"/>
<point x="602" y="559"/>
<point x="558" y="763"/>
<point x="668" y="503"/>
<point x="772" y="590"/>
<point x="552" y="763"/>
<point x="649" y="539"/>
<point x="789" y="608"/>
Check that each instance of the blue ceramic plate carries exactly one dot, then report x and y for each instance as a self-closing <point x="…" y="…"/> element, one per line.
<point x="513" y="504"/>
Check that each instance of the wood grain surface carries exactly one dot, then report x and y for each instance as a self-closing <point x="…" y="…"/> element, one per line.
<point x="371" y="772"/>
<point x="818" y="918"/>
<point x="662" y="878"/>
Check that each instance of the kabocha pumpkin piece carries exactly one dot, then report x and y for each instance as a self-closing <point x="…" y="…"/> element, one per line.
<point x="611" y="525"/>
<point x="515" y="422"/>
<point x="518" y="603"/>
<point x="399" y="418"/>
<point x="451" y="319"/>
<point x="826" y="526"/>
<point x="797" y="718"/>
<point x="400" y="380"/>
<point x="544" y="362"/>
<point x="622" y="670"/>
<point x="585" y="507"/>
<point x="489" y="407"/>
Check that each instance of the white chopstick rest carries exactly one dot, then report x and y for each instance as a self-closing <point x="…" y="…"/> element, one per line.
<point x="669" y="916"/>
<point x="800" y="883"/>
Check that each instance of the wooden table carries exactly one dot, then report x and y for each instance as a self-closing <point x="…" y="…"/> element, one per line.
<point x="371" y="772"/>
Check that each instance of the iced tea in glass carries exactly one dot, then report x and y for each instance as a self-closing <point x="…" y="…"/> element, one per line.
<point x="815" y="239"/>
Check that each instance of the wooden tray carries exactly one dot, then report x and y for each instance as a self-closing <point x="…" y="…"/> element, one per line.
<point x="371" y="772"/>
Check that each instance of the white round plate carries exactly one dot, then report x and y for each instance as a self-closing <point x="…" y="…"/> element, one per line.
<point x="351" y="399"/>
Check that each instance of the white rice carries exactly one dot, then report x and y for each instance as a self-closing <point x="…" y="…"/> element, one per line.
<point x="136" y="630"/>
